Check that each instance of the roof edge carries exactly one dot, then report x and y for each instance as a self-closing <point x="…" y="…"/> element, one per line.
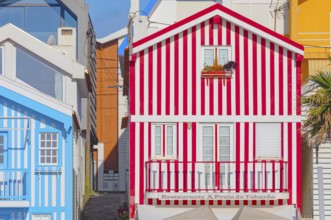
<point x="224" y="10"/>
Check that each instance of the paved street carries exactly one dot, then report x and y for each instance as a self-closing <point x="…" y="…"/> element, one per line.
<point x="103" y="206"/>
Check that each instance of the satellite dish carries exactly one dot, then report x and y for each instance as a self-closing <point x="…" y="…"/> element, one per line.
<point x="51" y="39"/>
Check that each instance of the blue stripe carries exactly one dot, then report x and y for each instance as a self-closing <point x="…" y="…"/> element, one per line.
<point x="123" y="45"/>
<point x="149" y="7"/>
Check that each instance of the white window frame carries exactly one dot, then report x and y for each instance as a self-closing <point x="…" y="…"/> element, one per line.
<point x="49" y="149"/>
<point x="165" y="155"/>
<point x="228" y="48"/>
<point x="268" y="144"/>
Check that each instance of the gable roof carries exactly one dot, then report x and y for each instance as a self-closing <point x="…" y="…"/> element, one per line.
<point x="46" y="52"/>
<point x="216" y="10"/>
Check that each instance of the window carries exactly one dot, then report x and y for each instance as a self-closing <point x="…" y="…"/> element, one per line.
<point x="48" y="148"/>
<point x="3" y="151"/>
<point x="268" y="141"/>
<point x="30" y="15"/>
<point x="164" y="141"/>
<point x="38" y="74"/>
<point x="41" y="217"/>
<point x="221" y="53"/>
<point x="1" y="61"/>
<point x="223" y="143"/>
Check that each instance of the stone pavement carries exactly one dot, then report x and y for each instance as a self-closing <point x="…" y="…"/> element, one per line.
<point x="103" y="206"/>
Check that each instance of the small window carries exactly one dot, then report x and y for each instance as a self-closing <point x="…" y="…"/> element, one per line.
<point x="164" y="141"/>
<point x="268" y="141"/>
<point x="211" y="54"/>
<point x="1" y="61"/>
<point x="48" y="148"/>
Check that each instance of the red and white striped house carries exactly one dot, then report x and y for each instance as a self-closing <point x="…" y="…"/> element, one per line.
<point x="216" y="140"/>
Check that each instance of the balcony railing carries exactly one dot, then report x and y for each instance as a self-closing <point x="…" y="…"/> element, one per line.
<point x="13" y="185"/>
<point x="176" y="176"/>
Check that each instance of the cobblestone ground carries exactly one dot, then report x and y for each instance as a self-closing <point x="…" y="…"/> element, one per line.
<point x="103" y="206"/>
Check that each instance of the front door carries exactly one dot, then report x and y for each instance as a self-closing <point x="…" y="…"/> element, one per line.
<point x="216" y="155"/>
<point x="3" y="151"/>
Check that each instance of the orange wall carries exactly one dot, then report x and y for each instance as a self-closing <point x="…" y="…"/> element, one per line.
<point x="107" y="99"/>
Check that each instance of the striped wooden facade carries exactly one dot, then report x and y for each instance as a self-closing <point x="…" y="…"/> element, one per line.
<point x="26" y="187"/>
<point x="166" y="87"/>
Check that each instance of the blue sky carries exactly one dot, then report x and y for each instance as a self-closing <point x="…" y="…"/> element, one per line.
<point x="109" y="16"/>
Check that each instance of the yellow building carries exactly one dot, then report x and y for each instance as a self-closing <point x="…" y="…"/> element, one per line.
<point x="310" y="26"/>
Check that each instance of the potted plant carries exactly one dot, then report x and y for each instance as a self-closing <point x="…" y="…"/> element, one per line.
<point x="123" y="211"/>
<point x="219" y="71"/>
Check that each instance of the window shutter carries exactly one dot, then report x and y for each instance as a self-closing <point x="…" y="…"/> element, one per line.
<point x="268" y="140"/>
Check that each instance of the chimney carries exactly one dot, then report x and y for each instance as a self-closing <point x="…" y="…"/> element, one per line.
<point x="134" y="6"/>
<point x="67" y="41"/>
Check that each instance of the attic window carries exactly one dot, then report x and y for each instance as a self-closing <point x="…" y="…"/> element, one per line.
<point x="216" y="62"/>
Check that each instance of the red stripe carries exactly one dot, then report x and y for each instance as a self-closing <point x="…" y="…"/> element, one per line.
<point x="176" y="74"/>
<point x="282" y="154"/>
<point x="132" y="88"/>
<point x="176" y="162"/>
<point x="217" y="179"/>
<point x="289" y="167"/>
<point x="228" y="82"/>
<point x="150" y="80"/>
<point x="164" y="139"/>
<point x="255" y="105"/>
<point x="211" y="33"/>
<point x="185" y="152"/>
<point x="220" y="96"/>
<point x="298" y="88"/>
<point x="132" y="168"/>
<point x="254" y="155"/>
<point x="289" y="82"/>
<point x="298" y="166"/>
<point x="168" y="72"/>
<point x="237" y="157"/>
<point x="219" y="32"/>
<point x="202" y="82"/>
<point x="246" y="156"/>
<point x="159" y="78"/>
<point x="194" y="153"/>
<point x="272" y="78"/>
<point x="141" y="164"/>
<point x="246" y="70"/>
<point x="141" y="80"/>
<point x="185" y="79"/>
<point x="194" y="71"/>
<point x="238" y="69"/>
<point x="281" y="80"/>
<point x="211" y="96"/>
<point x="226" y="11"/>
<point x="263" y="76"/>
<point x="168" y="176"/>
<point x="202" y="29"/>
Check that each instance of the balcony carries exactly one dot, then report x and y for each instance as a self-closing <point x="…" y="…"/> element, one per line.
<point x="13" y="188"/>
<point x="177" y="176"/>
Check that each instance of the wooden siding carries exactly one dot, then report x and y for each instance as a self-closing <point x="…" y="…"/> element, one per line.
<point x="107" y="102"/>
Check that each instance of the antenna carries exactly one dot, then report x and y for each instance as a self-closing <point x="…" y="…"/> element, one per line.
<point x="277" y="8"/>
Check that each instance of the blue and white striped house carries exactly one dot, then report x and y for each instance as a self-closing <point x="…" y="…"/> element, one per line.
<point x="41" y="114"/>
